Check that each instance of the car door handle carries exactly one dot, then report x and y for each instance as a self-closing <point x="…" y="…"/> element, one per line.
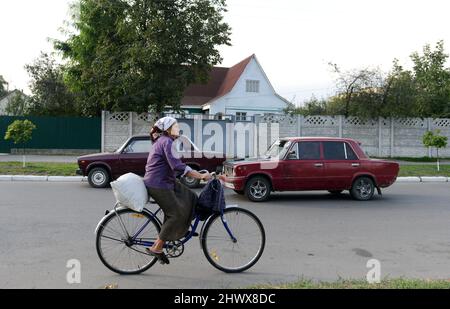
<point x="318" y="164"/>
<point x="355" y="164"/>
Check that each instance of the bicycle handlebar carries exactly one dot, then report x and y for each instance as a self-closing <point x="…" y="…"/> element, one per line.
<point x="213" y="174"/>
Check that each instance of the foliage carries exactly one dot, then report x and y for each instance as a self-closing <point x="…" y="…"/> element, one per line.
<point x="434" y="139"/>
<point x="141" y="54"/>
<point x="432" y="81"/>
<point x="50" y="95"/>
<point x="423" y="91"/>
<point x="20" y="131"/>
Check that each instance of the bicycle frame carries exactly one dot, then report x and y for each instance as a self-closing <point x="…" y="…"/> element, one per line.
<point x="135" y="241"/>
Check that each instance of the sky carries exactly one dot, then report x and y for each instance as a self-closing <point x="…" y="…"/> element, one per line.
<point x="294" y="40"/>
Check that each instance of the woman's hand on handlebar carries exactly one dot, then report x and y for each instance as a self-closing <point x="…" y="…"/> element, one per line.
<point x="202" y="175"/>
<point x="206" y="176"/>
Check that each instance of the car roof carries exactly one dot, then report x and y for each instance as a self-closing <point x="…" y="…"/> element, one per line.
<point x="318" y="138"/>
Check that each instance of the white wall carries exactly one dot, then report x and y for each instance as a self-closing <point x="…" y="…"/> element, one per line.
<point x="3" y="104"/>
<point x="238" y="100"/>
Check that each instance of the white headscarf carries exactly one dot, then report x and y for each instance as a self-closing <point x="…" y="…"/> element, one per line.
<point x="165" y="123"/>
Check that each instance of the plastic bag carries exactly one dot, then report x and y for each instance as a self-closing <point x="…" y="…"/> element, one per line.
<point x="130" y="192"/>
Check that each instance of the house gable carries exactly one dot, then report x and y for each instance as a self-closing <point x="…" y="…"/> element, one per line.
<point x="240" y="100"/>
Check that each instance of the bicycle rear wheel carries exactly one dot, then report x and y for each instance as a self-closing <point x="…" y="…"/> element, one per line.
<point x="233" y="255"/>
<point x="115" y="248"/>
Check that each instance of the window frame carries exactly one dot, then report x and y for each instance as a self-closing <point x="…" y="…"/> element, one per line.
<point x="252" y="86"/>
<point x="345" y="145"/>
<point x="242" y="116"/>
<point x="297" y="144"/>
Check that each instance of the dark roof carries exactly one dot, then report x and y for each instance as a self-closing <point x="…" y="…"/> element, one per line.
<point x="221" y="81"/>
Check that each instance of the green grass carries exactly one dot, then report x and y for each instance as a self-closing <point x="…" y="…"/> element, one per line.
<point x="424" y="170"/>
<point x="68" y="169"/>
<point x="421" y="159"/>
<point x="361" y="284"/>
<point x="32" y="168"/>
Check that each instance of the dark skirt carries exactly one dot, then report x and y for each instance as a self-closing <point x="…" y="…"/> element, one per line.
<point x="178" y="206"/>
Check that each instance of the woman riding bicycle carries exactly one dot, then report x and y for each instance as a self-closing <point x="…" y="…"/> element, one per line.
<point x="175" y="199"/>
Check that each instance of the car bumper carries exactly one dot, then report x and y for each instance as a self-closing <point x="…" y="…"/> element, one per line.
<point x="79" y="172"/>
<point x="235" y="183"/>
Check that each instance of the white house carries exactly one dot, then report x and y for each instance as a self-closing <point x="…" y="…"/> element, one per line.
<point x="4" y="101"/>
<point x="242" y="90"/>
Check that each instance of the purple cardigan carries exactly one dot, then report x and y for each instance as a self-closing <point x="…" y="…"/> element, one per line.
<point x="162" y="166"/>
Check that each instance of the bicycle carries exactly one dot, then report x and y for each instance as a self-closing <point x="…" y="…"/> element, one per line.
<point x="232" y="241"/>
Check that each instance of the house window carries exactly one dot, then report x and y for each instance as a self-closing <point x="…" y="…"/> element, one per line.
<point x="240" y="116"/>
<point x="252" y="85"/>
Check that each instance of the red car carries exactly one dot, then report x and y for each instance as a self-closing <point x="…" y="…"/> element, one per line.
<point x="311" y="163"/>
<point x="102" y="168"/>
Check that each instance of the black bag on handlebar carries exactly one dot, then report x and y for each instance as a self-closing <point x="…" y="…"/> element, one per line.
<point x="211" y="200"/>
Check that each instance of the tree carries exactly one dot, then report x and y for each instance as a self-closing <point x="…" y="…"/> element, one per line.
<point x="50" y="95"/>
<point x="399" y="97"/>
<point x="432" y="81"/>
<point x="20" y="132"/>
<point x="3" y="87"/>
<point x="141" y="54"/>
<point x="434" y="139"/>
<point x="356" y="86"/>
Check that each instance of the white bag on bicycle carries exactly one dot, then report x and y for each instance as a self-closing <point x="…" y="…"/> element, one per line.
<point x="130" y="191"/>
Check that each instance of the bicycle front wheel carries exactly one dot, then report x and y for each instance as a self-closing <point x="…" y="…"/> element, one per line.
<point x="115" y="246"/>
<point x="233" y="255"/>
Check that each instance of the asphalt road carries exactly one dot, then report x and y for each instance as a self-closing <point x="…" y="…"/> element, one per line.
<point x="309" y="234"/>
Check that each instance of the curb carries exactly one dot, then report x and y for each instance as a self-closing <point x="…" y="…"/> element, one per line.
<point x="434" y="179"/>
<point x="422" y="179"/>
<point x="84" y="179"/>
<point x="33" y="178"/>
<point x="408" y="179"/>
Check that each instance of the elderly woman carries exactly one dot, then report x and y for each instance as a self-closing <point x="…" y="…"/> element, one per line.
<point x="175" y="199"/>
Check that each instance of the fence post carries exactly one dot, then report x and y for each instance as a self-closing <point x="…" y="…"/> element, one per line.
<point x="130" y="125"/>
<point x="380" y="136"/>
<point x="429" y="129"/>
<point x="392" y="138"/>
<point x="256" y="120"/>
<point x="299" y="125"/>
<point x="103" y="130"/>
<point x="341" y="124"/>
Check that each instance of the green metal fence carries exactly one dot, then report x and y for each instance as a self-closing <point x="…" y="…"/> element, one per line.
<point x="56" y="133"/>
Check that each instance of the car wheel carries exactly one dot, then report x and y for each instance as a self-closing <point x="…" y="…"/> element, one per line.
<point x="363" y="189"/>
<point x="239" y="192"/>
<point x="335" y="192"/>
<point x="258" y="189"/>
<point x="190" y="182"/>
<point x="99" y="177"/>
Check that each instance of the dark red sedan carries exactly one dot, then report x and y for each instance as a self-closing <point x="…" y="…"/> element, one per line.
<point x="311" y="163"/>
<point x="102" y="168"/>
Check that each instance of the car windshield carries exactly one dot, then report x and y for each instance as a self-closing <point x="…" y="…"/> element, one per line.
<point x="278" y="149"/>
<point x="119" y="150"/>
